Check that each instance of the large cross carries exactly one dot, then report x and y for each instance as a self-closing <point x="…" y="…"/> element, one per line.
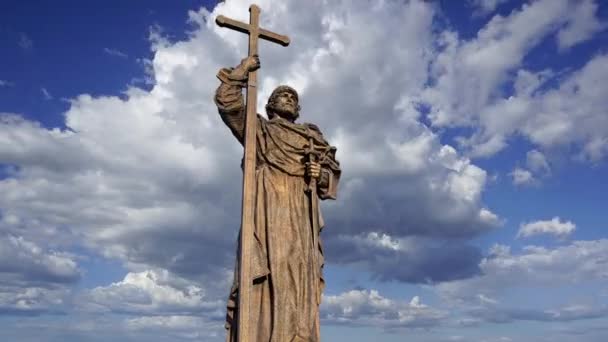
<point x="248" y="205"/>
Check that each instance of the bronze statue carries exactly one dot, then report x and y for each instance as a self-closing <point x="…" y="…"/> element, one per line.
<point x="287" y="256"/>
<point x="291" y="168"/>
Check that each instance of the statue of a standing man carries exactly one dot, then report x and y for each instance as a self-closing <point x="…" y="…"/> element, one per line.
<point x="287" y="253"/>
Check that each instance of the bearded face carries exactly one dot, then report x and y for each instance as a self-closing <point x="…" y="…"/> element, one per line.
<point x="284" y="103"/>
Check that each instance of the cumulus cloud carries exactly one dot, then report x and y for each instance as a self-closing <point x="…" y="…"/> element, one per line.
<point x="581" y="26"/>
<point x="537" y="162"/>
<point x="521" y="176"/>
<point x="33" y="301"/>
<point x="467" y="80"/>
<point x="537" y="167"/>
<point x="502" y="270"/>
<point x="34" y="280"/>
<point x="152" y="293"/>
<point x="577" y="119"/>
<point x="368" y="307"/>
<point x="151" y="177"/>
<point x="100" y="328"/>
<point x="484" y="7"/>
<point x="180" y="327"/>
<point x="114" y="196"/>
<point x="23" y="261"/>
<point x="488" y="297"/>
<point x="553" y="227"/>
<point x="156" y="305"/>
<point x="414" y="260"/>
<point x="562" y="314"/>
<point x="157" y="170"/>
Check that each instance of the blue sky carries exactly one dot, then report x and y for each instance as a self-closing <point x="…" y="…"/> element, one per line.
<point x="473" y="137"/>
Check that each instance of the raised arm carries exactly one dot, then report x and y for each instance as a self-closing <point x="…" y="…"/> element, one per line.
<point x="229" y="95"/>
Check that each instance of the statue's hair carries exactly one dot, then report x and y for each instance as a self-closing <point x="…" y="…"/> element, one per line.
<point x="270" y="106"/>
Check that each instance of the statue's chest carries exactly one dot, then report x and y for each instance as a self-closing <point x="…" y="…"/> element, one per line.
<point x="293" y="141"/>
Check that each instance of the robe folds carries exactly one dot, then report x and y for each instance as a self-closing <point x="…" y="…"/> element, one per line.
<point x="287" y="253"/>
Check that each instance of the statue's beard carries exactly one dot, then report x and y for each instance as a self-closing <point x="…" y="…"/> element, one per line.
<point x="286" y="111"/>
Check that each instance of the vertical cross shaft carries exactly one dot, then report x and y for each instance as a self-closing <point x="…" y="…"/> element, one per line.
<point x="248" y="205"/>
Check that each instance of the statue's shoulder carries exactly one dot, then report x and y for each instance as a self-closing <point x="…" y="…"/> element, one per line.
<point x="261" y="118"/>
<point x="312" y="127"/>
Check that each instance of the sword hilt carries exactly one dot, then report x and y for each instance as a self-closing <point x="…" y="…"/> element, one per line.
<point x="312" y="156"/>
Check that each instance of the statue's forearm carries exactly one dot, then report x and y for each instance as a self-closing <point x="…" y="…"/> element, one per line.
<point x="323" y="181"/>
<point x="327" y="185"/>
<point x="230" y="102"/>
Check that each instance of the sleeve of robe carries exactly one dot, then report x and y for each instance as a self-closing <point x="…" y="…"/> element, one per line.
<point x="327" y="186"/>
<point x="230" y="102"/>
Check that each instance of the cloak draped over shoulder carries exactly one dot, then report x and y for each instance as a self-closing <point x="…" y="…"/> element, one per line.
<point x="288" y="254"/>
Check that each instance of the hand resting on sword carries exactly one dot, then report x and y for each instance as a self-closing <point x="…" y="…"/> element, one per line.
<point x="313" y="170"/>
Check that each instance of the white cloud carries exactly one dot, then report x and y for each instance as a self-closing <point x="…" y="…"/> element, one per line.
<point x="537" y="168"/>
<point x="573" y="112"/>
<point x="33" y="300"/>
<point x="157" y="169"/>
<point x="536" y="161"/>
<point x="496" y="314"/>
<point x="582" y="24"/>
<point x="501" y="271"/>
<point x="551" y="227"/>
<point x="182" y="327"/>
<point x="152" y="293"/>
<point x="495" y="295"/>
<point x="104" y="327"/>
<point x="152" y="178"/>
<point x="485" y="7"/>
<point x="467" y="73"/>
<point x="115" y="52"/>
<point x="23" y="262"/>
<point x="4" y="83"/>
<point x="34" y="280"/>
<point x="368" y="307"/>
<point x="47" y="95"/>
<point x="429" y="260"/>
<point x="522" y="177"/>
<point x="468" y="77"/>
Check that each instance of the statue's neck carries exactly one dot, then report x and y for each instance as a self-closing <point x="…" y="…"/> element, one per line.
<point x="280" y="118"/>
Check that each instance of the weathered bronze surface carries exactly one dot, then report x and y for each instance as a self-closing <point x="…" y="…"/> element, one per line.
<point x="248" y="204"/>
<point x="293" y="166"/>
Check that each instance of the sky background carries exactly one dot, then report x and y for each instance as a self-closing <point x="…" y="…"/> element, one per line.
<point x="473" y="138"/>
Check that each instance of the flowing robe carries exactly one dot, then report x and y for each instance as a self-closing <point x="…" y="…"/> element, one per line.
<point x="287" y="253"/>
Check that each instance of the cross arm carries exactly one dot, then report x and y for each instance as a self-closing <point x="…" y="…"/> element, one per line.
<point x="223" y="21"/>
